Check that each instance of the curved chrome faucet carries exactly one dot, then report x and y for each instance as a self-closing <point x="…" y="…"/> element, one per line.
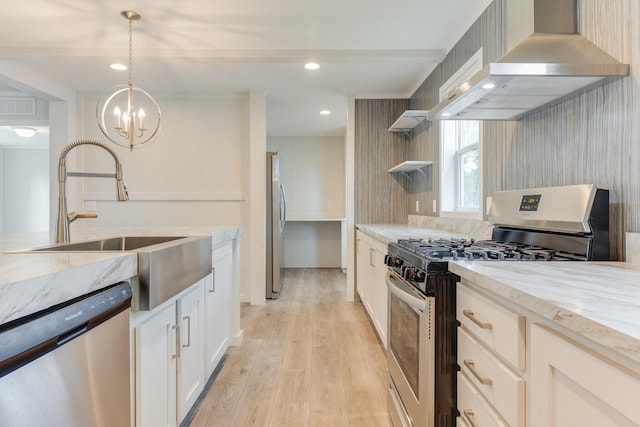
<point x="64" y="219"/>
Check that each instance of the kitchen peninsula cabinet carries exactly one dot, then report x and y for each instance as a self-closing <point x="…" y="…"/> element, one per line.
<point x="168" y="359"/>
<point x="168" y="346"/>
<point x="371" y="281"/>
<point x="218" y="288"/>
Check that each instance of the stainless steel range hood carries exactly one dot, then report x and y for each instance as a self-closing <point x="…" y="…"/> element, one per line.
<point x="548" y="62"/>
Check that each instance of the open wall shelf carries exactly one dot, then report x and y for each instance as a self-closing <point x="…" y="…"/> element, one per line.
<point x="408" y="120"/>
<point x="410" y="166"/>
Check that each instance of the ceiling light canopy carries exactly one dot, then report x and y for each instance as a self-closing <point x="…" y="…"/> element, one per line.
<point x="121" y="115"/>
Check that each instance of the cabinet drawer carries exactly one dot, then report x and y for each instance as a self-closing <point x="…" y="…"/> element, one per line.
<point x="498" y="383"/>
<point x="473" y="408"/>
<point x="499" y="328"/>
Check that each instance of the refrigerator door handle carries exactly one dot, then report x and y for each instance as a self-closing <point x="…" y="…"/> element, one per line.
<point x="283" y="210"/>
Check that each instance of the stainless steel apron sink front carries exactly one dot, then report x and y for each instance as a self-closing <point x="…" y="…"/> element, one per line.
<point x="166" y="264"/>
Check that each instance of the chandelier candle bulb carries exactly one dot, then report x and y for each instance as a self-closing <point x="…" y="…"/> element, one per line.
<point x="116" y="115"/>
<point x="141" y="119"/>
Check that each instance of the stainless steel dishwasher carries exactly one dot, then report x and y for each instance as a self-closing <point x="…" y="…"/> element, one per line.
<point x="68" y="365"/>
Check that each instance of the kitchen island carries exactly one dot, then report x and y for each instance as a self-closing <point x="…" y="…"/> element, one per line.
<point x="175" y="347"/>
<point x="30" y="282"/>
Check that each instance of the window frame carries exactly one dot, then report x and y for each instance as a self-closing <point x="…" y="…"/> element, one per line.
<point x="450" y="181"/>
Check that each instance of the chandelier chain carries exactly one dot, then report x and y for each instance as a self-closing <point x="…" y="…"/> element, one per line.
<point x="130" y="52"/>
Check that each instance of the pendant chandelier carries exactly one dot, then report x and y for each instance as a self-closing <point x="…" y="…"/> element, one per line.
<point x="122" y="117"/>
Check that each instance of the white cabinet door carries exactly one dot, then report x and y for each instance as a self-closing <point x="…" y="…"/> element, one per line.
<point x="363" y="266"/>
<point x="218" y="301"/>
<point x="371" y="281"/>
<point x="573" y="386"/>
<point x="379" y="291"/>
<point x="156" y="369"/>
<point x="191" y="333"/>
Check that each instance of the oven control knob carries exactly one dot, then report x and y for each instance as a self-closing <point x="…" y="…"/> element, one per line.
<point x="393" y="261"/>
<point x="409" y="273"/>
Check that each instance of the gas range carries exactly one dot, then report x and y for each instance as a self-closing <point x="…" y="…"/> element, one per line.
<point x="545" y="224"/>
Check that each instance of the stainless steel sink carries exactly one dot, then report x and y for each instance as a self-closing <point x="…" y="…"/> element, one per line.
<point x="123" y="243"/>
<point x="166" y="264"/>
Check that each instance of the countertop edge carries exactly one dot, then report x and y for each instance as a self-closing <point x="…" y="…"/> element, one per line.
<point x="31" y="282"/>
<point x="614" y="341"/>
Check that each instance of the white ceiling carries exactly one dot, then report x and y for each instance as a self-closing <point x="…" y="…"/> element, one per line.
<point x="192" y="48"/>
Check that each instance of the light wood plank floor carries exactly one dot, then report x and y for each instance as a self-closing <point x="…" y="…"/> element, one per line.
<point x="308" y="359"/>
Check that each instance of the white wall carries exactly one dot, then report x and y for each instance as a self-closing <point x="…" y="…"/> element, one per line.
<point x="312" y="170"/>
<point x="313" y="174"/>
<point x="195" y="173"/>
<point x="313" y="244"/>
<point x="25" y="190"/>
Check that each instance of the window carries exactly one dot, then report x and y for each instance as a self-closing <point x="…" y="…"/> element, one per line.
<point x="461" y="159"/>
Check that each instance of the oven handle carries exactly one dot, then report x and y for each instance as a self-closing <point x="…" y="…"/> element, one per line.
<point x="402" y="291"/>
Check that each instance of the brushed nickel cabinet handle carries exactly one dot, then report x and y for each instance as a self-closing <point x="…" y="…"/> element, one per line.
<point x="188" y="319"/>
<point x="468" y="414"/>
<point x="471" y="315"/>
<point x="212" y="289"/>
<point x="471" y="365"/>
<point x="371" y="262"/>
<point x="177" y="341"/>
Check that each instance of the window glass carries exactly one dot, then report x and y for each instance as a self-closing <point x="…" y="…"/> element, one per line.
<point x="461" y="165"/>
<point x="469" y="168"/>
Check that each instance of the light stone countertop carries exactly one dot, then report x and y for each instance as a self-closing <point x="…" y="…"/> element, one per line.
<point x="33" y="282"/>
<point x="597" y="300"/>
<point x="30" y="282"/>
<point x="391" y="232"/>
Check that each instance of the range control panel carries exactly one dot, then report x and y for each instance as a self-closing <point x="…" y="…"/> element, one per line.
<point x="530" y="203"/>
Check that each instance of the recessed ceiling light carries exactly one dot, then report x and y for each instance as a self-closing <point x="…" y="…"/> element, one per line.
<point x="446" y="114"/>
<point x="25" y="132"/>
<point x="311" y="65"/>
<point x="325" y="112"/>
<point x="488" y="86"/>
<point x="118" y="67"/>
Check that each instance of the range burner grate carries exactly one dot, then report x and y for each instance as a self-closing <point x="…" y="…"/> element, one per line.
<point x="458" y="249"/>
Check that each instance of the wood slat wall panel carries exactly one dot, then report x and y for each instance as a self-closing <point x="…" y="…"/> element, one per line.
<point x="380" y="196"/>
<point x="591" y="138"/>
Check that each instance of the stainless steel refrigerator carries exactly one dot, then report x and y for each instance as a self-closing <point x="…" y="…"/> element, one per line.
<point x="276" y="217"/>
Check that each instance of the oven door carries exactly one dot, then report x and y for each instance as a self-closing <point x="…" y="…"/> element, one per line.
<point x="410" y="355"/>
